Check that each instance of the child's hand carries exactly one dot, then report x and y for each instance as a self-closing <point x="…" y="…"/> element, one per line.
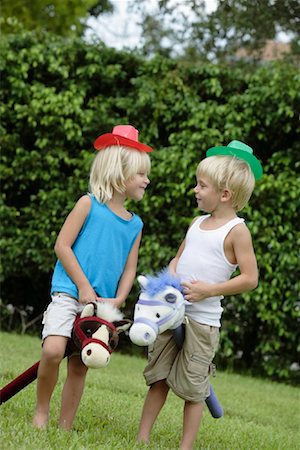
<point x="196" y="291"/>
<point x="112" y="301"/>
<point x="86" y="295"/>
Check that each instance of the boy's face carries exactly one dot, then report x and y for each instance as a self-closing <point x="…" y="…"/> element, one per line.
<point x="208" y="198"/>
<point x="135" y="186"/>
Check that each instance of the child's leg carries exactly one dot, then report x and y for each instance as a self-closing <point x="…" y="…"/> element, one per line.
<point x="72" y="391"/>
<point x="52" y="353"/>
<point x="154" y="401"/>
<point x="192" y="416"/>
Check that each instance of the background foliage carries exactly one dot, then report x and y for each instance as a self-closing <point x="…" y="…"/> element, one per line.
<point x="63" y="17"/>
<point x="57" y="95"/>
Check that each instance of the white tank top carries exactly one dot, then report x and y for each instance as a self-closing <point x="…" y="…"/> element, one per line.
<point x="204" y="259"/>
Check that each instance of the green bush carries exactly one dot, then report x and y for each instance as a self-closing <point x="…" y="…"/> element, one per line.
<point x="58" y="95"/>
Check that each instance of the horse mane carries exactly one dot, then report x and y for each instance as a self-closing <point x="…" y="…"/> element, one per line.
<point x="161" y="281"/>
<point x="108" y="312"/>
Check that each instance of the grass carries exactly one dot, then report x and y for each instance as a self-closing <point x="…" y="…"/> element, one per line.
<point x="259" y="414"/>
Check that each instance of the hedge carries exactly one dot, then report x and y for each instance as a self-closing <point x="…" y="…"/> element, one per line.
<point x="57" y="95"/>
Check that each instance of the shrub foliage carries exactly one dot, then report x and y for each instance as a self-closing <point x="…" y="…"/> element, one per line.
<point x="58" y="95"/>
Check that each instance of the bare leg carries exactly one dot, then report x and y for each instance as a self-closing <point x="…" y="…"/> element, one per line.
<point x="52" y="353"/>
<point x="154" y="401"/>
<point x="192" y="416"/>
<point x="72" y="391"/>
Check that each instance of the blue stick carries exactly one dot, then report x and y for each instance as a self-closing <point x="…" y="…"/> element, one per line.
<point x="213" y="404"/>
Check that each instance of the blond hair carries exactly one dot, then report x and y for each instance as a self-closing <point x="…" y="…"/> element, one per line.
<point x="229" y="172"/>
<point x="112" y="167"/>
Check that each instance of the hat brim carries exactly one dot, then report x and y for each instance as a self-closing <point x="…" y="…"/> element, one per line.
<point x="253" y="162"/>
<point x="108" y="139"/>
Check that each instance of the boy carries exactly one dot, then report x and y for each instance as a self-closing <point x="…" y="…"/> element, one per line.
<point x="215" y="245"/>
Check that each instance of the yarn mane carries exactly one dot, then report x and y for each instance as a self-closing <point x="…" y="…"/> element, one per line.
<point x="161" y="281"/>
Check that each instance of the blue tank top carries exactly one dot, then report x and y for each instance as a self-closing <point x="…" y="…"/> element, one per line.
<point x="101" y="248"/>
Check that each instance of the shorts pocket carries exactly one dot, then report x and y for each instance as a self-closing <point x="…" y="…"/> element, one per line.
<point x="198" y="367"/>
<point x="150" y="352"/>
<point x="46" y="314"/>
<point x="44" y="318"/>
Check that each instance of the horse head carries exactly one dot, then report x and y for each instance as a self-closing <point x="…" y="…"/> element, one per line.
<point x="96" y="333"/>
<point x="160" y="307"/>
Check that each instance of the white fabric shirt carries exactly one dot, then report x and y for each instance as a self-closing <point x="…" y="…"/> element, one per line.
<point x="204" y="259"/>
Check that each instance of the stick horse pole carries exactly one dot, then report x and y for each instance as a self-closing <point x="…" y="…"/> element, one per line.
<point x="95" y="335"/>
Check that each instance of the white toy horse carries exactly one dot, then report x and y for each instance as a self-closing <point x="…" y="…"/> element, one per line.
<point x="161" y="307"/>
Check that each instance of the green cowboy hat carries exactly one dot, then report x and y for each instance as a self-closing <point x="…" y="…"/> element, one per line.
<point x="241" y="151"/>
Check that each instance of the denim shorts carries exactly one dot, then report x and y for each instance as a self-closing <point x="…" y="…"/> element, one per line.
<point x="60" y="315"/>
<point x="186" y="371"/>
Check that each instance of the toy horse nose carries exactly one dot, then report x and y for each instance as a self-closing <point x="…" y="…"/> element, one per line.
<point x="94" y="357"/>
<point x="170" y="298"/>
<point x="141" y="334"/>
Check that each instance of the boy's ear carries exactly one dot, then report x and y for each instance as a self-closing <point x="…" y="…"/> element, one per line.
<point x="226" y="195"/>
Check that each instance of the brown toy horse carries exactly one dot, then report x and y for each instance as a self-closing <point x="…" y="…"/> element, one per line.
<point x="95" y="335"/>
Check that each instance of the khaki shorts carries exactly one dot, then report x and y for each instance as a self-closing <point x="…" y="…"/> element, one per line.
<point x="60" y="315"/>
<point x="186" y="371"/>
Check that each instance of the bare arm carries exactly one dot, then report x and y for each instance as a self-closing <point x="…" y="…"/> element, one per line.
<point x="64" y="252"/>
<point x="173" y="263"/>
<point x="247" y="279"/>
<point x="128" y="276"/>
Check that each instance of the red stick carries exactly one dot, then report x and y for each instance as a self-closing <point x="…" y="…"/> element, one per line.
<point x="19" y="383"/>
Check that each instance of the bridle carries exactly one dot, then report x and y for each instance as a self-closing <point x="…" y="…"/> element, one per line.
<point x="86" y="322"/>
<point x="151" y="323"/>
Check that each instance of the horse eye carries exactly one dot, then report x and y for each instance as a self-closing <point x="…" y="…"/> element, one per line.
<point x="158" y="315"/>
<point x="88" y="332"/>
<point x="170" y="298"/>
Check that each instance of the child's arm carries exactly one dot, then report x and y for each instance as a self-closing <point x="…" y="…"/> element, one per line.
<point x="173" y="263"/>
<point x="128" y="276"/>
<point x="247" y="279"/>
<point x="64" y="252"/>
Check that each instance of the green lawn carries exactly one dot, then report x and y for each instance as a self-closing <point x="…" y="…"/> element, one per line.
<point x="259" y="414"/>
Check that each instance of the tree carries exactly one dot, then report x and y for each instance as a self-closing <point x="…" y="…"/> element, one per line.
<point x="237" y="24"/>
<point x="193" y="32"/>
<point x="62" y="17"/>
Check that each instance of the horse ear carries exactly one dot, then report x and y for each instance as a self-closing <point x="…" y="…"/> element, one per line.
<point x="143" y="281"/>
<point x="88" y="310"/>
<point x="123" y="325"/>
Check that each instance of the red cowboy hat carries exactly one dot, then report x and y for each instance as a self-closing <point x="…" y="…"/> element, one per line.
<point x="125" y="135"/>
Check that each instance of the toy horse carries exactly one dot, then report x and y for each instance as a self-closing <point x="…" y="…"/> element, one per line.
<point x="161" y="307"/>
<point x="95" y="334"/>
